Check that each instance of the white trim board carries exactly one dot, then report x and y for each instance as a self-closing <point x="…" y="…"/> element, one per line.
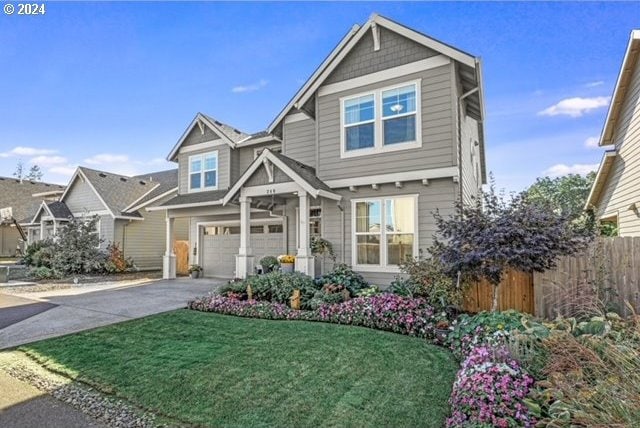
<point x="425" y="174"/>
<point x="296" y="117"/>
<point x="381" y="76"/>
<point x="152" y="200"/>
<point x="202" y="146"/>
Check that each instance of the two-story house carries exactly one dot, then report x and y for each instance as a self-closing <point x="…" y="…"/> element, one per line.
<point x="386" y="131"/>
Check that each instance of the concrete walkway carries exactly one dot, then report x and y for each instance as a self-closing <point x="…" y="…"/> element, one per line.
<point x="84" y="308"/>
<point x="22" y="405"/>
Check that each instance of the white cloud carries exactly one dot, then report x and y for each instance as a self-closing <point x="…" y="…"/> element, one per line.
<point x="561" y="169"/>
<point x="250" y="88"/>
<point x="67" y="171"/>
<point x="594" y="84"/>
<point x="48" y="160"/>
<point x="26" y="151"/>
<point x="592" y="142"/>
<point x="575" y="107"/>
<point x="107" y="158"/>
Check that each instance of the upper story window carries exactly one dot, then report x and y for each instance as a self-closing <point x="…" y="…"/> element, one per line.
<point x="203" y="172"/>
<point x="384" y="120"/>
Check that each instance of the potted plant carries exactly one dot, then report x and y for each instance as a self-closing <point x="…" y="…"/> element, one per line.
<point x="268" y="263"/>
<point x="194" y="271"/>
<point x="286" y="263"/>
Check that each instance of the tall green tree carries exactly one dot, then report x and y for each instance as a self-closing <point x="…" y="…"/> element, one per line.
<point x="34" y="174"/>
<point x="566" y="196"/>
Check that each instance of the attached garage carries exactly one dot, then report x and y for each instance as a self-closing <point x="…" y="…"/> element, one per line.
<point x="220" y="243"/>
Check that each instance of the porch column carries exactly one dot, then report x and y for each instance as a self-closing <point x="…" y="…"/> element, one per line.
<point x="41" y="229"/>
<point x="55" y="227"/>
<point x="169" y="258"/>
<point x="305" y="262"/>
<point x="244" y="259"/>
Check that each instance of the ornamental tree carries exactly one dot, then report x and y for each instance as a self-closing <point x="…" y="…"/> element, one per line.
<point x="484" y="239"/>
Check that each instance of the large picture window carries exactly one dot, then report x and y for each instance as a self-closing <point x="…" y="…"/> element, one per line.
<point x="203" y="171"/>
<point x="384" y="232"/>
<point x="384" y="120"/>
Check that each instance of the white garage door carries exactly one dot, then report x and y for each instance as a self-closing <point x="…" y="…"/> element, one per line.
<point x="220" y="245"/>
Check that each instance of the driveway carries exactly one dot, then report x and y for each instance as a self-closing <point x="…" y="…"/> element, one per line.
<point x="29" y="317"/>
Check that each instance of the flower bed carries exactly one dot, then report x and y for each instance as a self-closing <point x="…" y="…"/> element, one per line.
<point x="403" y="315"/>
<point x="490" y="390"/>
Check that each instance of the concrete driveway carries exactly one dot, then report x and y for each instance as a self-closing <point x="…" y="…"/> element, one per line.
<point x="29" y="317"/>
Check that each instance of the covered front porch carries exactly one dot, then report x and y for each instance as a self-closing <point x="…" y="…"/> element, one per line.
<point x="255" y="218"/>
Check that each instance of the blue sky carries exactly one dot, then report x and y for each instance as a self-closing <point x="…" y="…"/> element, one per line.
<point x="113" y="85"/>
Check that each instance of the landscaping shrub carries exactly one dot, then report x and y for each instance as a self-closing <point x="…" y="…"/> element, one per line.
<point x="490" y="391"/>
<point x="426" y="278"/>
<point x="343" y="275"/>
<point x="274" y="287"/>
<point x="269" y="263"/>
<point x="116" y="262"/>
<point x="42" y="272"/>
<point x="40" y="254"/>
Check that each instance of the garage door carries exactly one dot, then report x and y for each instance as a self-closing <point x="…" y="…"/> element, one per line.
<point x="220" y="245"/>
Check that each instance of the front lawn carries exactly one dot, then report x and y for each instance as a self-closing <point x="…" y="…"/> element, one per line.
<point x="216" y="370"/>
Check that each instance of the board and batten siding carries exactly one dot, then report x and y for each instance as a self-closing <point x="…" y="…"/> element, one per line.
<point x="81" y="198"/>
<point x="300" y="141"/>
<point x="197" y="137"/>
<point x="107" y="230"/>
<point x="224" y="167"/>
<point x="438" y="195"/>
<point x="622" y="188"/>
<point x="470" y="159"/>
<point x="438" y="139"/>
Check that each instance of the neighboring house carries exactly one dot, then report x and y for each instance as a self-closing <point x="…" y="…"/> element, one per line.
<point x="19" y="200"/>
<point x="615" y="195"/>
<point x="386" y="131"/>
<point x="119" y="202"/>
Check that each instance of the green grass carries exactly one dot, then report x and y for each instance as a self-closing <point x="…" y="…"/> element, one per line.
<point x="215" y="370"/>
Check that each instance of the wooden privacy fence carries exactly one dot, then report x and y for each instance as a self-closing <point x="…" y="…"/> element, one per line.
<point x="516" y="292"/>
<point x="606" y="276"/>
<point x="181" y="250"/>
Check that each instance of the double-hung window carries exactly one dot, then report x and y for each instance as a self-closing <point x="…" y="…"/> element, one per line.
<point x="385" y="232"/>
<point x="203" y="172"/>
<point x="384" y="120"/>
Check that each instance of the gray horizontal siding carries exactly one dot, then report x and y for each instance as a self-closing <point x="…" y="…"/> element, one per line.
<point x="438" y="195"/>
<point x="224" y="167"/>
<point x="300" y="141"/>
<point x="438" y="129"/>
<point x="81" y="198"/>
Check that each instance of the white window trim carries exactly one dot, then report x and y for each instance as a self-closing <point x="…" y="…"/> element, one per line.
<point x="298" y="223"/>
<point x="378" y="143"/>
<point x="383" y="266"/>
<point x="201" y="157"/>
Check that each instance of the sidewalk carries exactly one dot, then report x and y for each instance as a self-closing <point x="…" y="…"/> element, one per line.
<point x="23" y="406"/>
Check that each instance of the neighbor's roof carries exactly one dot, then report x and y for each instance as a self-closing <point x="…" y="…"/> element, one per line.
<point x="19" y="196"/>
<point x="120" y="191"/>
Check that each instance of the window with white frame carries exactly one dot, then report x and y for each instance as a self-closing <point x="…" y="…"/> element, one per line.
<point x="385" y="231"/>
<point x="203" y="172"/>
<point x="383" y="120"/>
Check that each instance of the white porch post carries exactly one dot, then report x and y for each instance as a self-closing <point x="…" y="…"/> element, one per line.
<point x="169" y="258"/>
<point x="305" y="262"/>
<point x="41" y="229"/>
<point x="244" y="259"/>
<point x="55" y="227"/>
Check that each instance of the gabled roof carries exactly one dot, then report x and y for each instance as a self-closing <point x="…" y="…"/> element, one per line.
<point x="56" y="210"/>
<point x="622" y="85"/>
<point x="349" y="42"/>
<point x="302" y="174"/>
<point x="189" y="200"/>
<point x="227" y="133"/>
<point x="18" y="195"/>
<point x="118" y="193"/>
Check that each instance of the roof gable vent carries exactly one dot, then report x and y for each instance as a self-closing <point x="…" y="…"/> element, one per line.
<point x="123" y="179"/>
<point x="102" y="174"/>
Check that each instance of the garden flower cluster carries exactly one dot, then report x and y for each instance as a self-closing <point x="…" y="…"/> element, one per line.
<point x="489" y="390"/>
<point x="403" y="315"/>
